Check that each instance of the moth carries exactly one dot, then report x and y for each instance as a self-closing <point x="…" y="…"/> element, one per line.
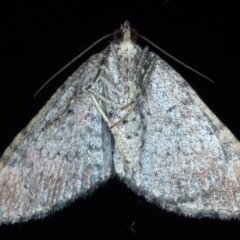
<point x="125" y="112"/>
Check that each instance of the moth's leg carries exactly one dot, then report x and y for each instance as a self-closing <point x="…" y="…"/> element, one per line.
<point x="109" y="81"/>
<point x="103" y="68"/>
<point x="109" y="123"/>
<point x="107" y="120"/>
<point x="96" y="94"/>
<point x="101" y="111"/>
<point x="149" y="67"/>
<point x="141" y="90"/>
<point x="127" y="114"/>
<point x="100" y="68"/>
<point x="141" y="66"/>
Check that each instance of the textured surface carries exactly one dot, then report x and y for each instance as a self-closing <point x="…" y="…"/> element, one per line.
<point x="189" y="162"/>
<point x="63" y="153"/>
<point x="124" y="111"/>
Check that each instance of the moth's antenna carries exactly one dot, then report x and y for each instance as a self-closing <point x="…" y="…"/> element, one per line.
<point x="175" y="59"/>
<point x="58" y="72"/>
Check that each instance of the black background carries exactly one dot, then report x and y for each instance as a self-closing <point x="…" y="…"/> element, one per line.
<point x="37" y="39"/>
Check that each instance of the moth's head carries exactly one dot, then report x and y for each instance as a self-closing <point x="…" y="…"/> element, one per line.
<point x="125" y="33"/>
<point x="125" y="38"/>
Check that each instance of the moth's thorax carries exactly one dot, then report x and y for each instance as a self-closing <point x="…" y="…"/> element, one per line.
<point x="126" y="49"/>
<point x="122" y="70"/>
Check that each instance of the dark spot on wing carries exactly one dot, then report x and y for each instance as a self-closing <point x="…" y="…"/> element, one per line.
<point x="70" y="111"/>
<point x="110" y="114"/>
<point x="171" y="108"/>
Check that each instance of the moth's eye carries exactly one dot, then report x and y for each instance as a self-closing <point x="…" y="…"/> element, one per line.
<point x="134" y="34"/>
<point x="118" y="35"/>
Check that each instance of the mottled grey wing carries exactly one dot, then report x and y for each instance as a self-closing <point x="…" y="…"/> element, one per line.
<point x="190" y="162"/>
<point x="63" y="153"/>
